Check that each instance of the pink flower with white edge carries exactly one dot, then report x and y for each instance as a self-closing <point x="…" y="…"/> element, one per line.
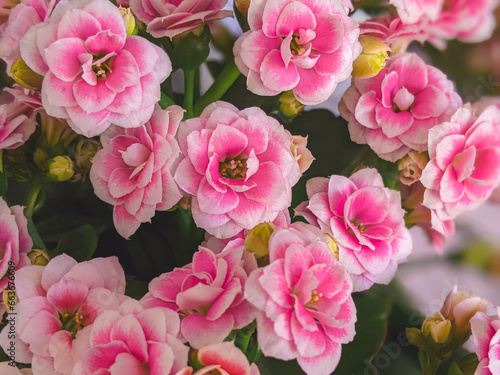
<point x="393" y="111"/>
<point x="207" y="294"/>
<point x="94" y="74"/>
<point x="464" y="166"/>
<point x="133" y="169"/>
<point x="172" y="17"/>
<point x="486" y="336"/>
<point x="366" y="221"/>
<point x="304" y="300"/>
<point x="57" y="301"/>
<point x="17" y="123"/>
<point x="222" y="358"/>
<point x="133" y="340"/>
<point x="304" y="46"/>
<point x="237" y="166"/>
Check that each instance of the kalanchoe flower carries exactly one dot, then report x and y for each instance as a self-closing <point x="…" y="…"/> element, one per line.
<point x="207" y="294"/>
<point x="304" y="300"/>
<point x="460" y="306"/>
<point x="133" y="170"/>
<point x="366" y="221"/>
<point x="304" y="46"/>
<point x="237" y="166"/>
<point x="95" y="74"/>
<point x="485" y="332"/>
<point x="464" y="165"/>
<point x="222" y="358"/>
<point x="393" y="111"/>
<point x="411" y="166"/>
<point x="172" y="17"/>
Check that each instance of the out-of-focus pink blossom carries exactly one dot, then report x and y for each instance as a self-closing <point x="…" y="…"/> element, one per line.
<point x="207" y="294"/>
<point x="57" y="301"/>
<point x="464" y="165"/>
<point x="366" y="221"/>
<point x="133" y="340"/>
<point x="393" y="111"/>
<point x="133" y="170"/>
<point x="486" y="336"/>
<point x="304" y="300"/>
<point x="17" y="123"/>
<point x="237" y="166"/>
<point x="222" y="358"/>
<point x="172" y="17"/>
<point x="304" y="46"/>
<point x="94" y="74"/>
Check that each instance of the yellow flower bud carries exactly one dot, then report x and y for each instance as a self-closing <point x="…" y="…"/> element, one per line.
<point x="39" y="257"/>
<point x="85" y="150"/>
<point x="438" y="327"/>
<point x="242" y="6"/>
<point x="60" y="168"/>
<point x="129" y="20"/>
<point x="373" y="58"/>
<point x="24" y="76"/>
<point x="289" y="105"/>
<point x="257" y="240"/>
<point x="9" y="299"/>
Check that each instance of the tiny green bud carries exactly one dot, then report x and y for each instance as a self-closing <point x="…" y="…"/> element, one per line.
<point x="24" y="76"/>
<point x="372" y="59"/>
<point x="60" y="168"/>
<point x="85" y="150"/>
<point x="289" y="105"/>
<point x="438" y="327"/>
<point x="38" y="257"/>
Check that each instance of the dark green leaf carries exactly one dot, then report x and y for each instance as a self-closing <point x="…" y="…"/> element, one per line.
<point x="80" y="243"/>
<point x="454" y="370"/>
<point x="3" y="183"/>
<point x="136" y="289"/>
<point x="272" y="366"/>
<point x="59" y="225"/>
<point x="165" y="101"/>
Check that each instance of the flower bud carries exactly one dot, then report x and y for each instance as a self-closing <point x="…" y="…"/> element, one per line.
<point x="40" y="157"/>
<point x="372" y="59"/>
<point x="257" y="240"/>
<point x="129" y="20"/>
<point x="289" y="105"/>
<point x="461" y="306"/>
<point x="85" y="150"/>
<point x="301" y="152"/>
<point x="56" y="134"/>
<point x="185" y="203"/>
<point x="9" y="300"/>
<point x="39" y="257"/>
<point x="24" y="76"/>
<point x="438" y="327"/>
<point x="60" y="168"/>
<point x="411" y="167"/>
<point x="242" y="6"/>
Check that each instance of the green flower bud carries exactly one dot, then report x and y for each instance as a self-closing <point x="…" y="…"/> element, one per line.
<point x="24" y="76"/>
<point x="39" y="257"/>
<point x="40" y="157"/>
<point x="289" y="105"/>
<point x="257" y="240"/>
<point x="85" y="150"/>
<point x="438" y="327"/>
<point x="129" y="19"/>
<point x="373" y="58"/>
<point x="60" y="168"/>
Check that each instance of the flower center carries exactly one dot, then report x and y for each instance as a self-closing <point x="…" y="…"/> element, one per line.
<point x="72" y="324"/>
<point x="233" y="169"/>
<point x="297" y="48"/>
<point x="315" y="299"/>
<point x="102" y="70"/>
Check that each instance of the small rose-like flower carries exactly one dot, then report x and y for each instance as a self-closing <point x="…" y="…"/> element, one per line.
<point x="366" y="221"/>
<point x="304" y="300"/>
<point x="411" y="166"/>
<point x="486" y="336"/>
<point x="133" y="170"/>
<point x="207" y="294"/>
<point x="464" y="165"/>
<point x="304" y="46"/>
<point x="461" y="306"/>
<point x="94" y="73"/>
<point x="238" y="167"/>
<point x="393" y="111"/>
<point x="175" y="17"/>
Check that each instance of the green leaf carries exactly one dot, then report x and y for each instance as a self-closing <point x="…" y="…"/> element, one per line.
<point x="80" y="243"/>
<point x="3" y="184"/>
<point x="136" y="289"/>
<point x="455" y="370"/>
<point x="272" y="366"/>
<point x="59" y="225"/>
<point x="165" y="101"/>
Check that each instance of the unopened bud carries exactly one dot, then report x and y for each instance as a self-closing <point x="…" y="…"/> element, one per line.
<point x="257" y="240"/>
<point x="411" y="167"/>
<point x="372" y="59"/>
<point x="289" y="105"/>
<point x="9" y="299"/>
<point x="40" y="157"/>
<point x="25" y="76"/>
<point x="242" y="6"/>
<point x="38" y="257"/>
<point x="56" y="134"/>
<point x="301" y="152"/>
<point x="438" y="327"/>
<point x="129" y="20"/>
<point x="461" y="306"/>
<point x="60" y="168"/>
<point x="85" y="150"/>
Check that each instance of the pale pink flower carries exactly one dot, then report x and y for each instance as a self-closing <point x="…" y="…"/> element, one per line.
<point x="304" y="46"/>
<point x="57" y="301"/>
<point x="222" y="358"/>
<point x="468" y="21"/>
<point x="301" y="153"/>
<point x="237" y="166"/>
<point x="304" y="300"/>
<point x="207" y="294"/>
<point x="5" y="9"/>
<point x="464" y="165"/>
<point x="460" y="307"/>
<point x="17" y="123"/>
<point x="366" y="221"/>
<point x="133" y="340"/>
<point x="24" y="15"/>
<point x="172" y="17"/>
<point x="94" y="74"/>
<point x="393" y="111"/>
<point x="133" y="169"/>
<point x="486" y="336"/>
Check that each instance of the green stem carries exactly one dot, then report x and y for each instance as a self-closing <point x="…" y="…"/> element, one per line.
<point x="32" y="205"/>
<point x="222" y="83"/>
<point x="188" y="92"/>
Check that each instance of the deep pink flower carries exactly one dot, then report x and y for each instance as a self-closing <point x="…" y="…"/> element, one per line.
<point x="464" y="165"/>
<point x="134" y="341"/>
<point x="17" y="123"/>
<point x="95" y="75"/>
<point x="304" y="300"/>
<point x="222" y="358"/>
<point x="237" y="166"/>
<point x="393" y="111"/>
<point x="468" y="21"/>
<point x="304" y="46"/>
<point x="57" y="301"/>
<point x="366" y="221"/>
<point x="133" y="170"/>
<point x="486" y="336"/>
<point x="207" y="294"/>
<point x="173" y="17"/>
